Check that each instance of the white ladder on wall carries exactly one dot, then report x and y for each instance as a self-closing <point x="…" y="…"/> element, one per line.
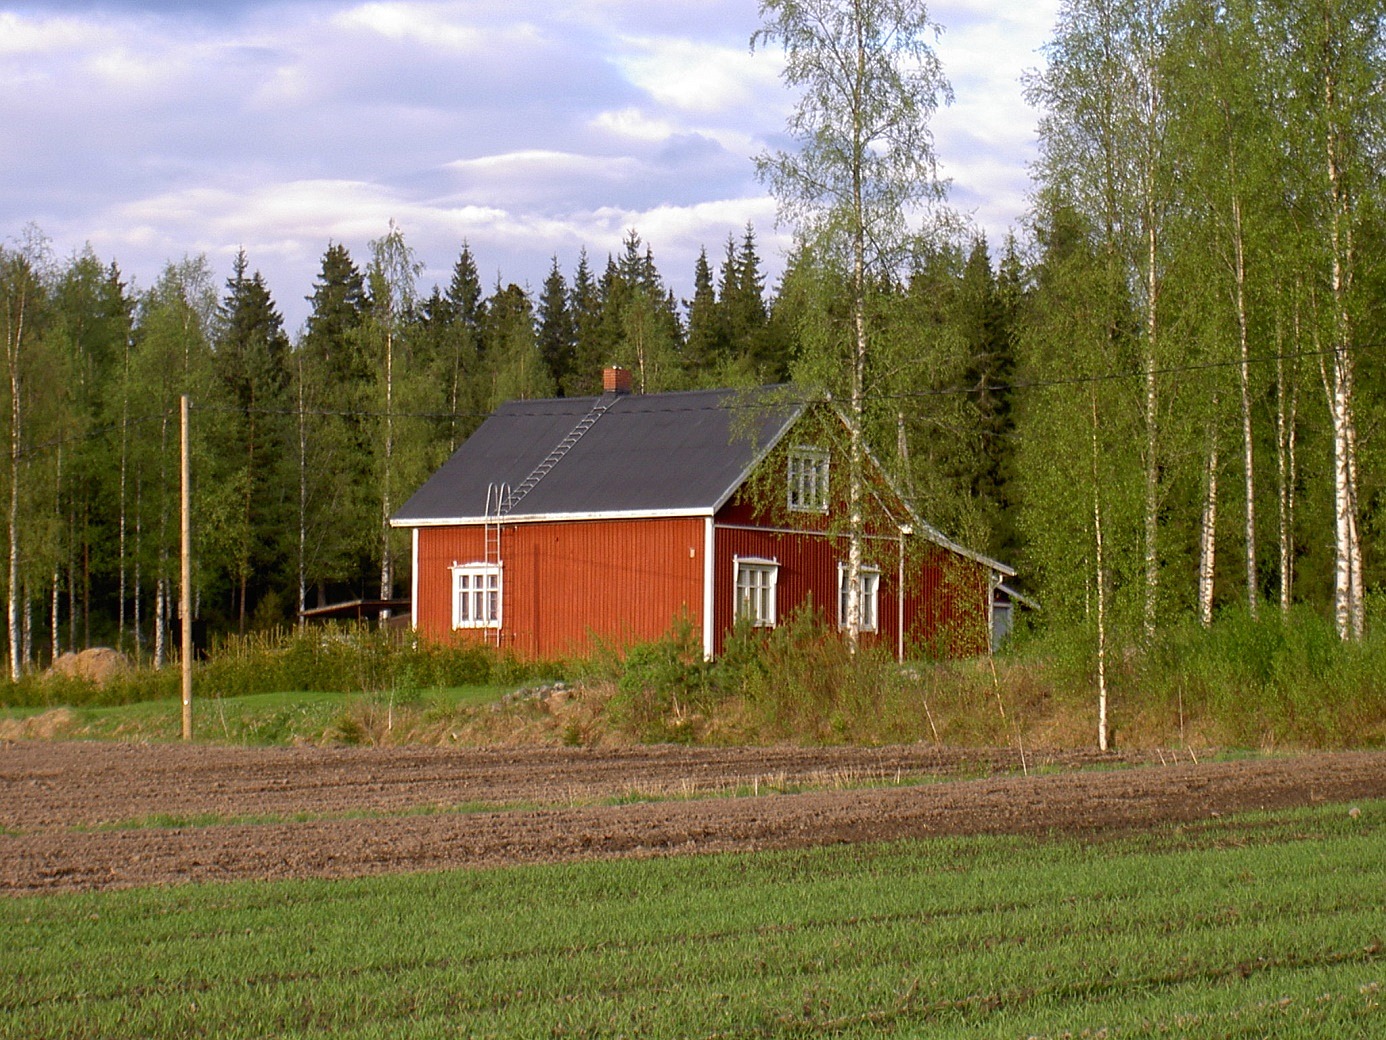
<point x="497" y="498"/>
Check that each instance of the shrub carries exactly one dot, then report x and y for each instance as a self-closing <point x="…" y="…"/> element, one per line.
<point x="663" y="687"/>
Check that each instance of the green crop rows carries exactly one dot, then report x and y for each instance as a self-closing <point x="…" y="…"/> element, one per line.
<point x="1250" y="926"/>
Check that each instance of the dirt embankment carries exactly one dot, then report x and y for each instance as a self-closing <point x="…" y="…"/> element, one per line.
<point x="89" y="815"/>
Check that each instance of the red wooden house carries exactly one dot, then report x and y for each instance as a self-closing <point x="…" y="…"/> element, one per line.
<point x="561" y="520"/>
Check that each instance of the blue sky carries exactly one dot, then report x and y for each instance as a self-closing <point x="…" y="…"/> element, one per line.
<point x="528" y="128"/>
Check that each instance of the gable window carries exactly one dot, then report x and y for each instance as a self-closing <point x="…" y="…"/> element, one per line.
<point x="756" y="579"/>
<point x="476" y="595"/>
<point x="808" y="480"/>
<point x="869" y="582"/>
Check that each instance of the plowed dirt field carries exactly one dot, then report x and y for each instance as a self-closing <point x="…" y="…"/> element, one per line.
<point x="105" y="815"/>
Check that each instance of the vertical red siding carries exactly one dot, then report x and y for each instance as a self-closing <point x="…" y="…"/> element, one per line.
<point x="564" y="582"/>
<point x="945" y="594"/>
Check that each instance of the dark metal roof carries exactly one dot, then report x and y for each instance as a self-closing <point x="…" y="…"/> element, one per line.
<point x="643" y="454"/>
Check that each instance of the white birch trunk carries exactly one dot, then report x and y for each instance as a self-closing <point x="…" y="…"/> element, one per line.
<point x="161" y="571"/>
<point x="54" y="616"/>
<point x="1152" y="415"/>
<point x="387" y="562"/>
<point x="124" y="470"/>
<point x="138" y="589"/>
<point x="1101" y="581"/>
<point x="14" y="337"/>
<point x="1253" y="584"/>
<point x="856" y="459"/>
<point x="1347" y="576"/>
<point x="1348" y="606"/>
<point x="1207" y="536"/>
<point x="856" y="449"/>
<point x="302" y="498"/>
<point x="160" y="612"/>
<point x="27" y="627"/>
<point x="1286" y="405"/>
<point x="56" y="642"/>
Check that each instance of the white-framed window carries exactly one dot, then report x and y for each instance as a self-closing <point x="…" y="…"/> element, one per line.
<point x="808" y="480"/>
<point x="869" y="581"/>
<point x="476" y="595"/>
<point x="756" y="579"/>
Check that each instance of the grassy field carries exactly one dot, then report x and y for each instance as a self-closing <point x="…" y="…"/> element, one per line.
<point x="1252" y="926"/>
<point x="270" y="718"/>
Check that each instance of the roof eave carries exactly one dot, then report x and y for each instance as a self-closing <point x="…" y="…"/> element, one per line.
<point x="542" y="518"/>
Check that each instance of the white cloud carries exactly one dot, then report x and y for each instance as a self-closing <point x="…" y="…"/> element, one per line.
<point x="633" y="123"/>
<point x="529" y="129"/>
<point x="22" y="36"/>
<point x="693" y="76"/>
<point x="425" y="24"/>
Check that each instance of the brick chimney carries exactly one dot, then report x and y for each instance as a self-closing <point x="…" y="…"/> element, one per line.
<point x="615" y="380"/>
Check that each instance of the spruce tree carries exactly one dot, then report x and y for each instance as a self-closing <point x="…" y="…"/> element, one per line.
<point x="253" y="366"/>
<point x="558" y="330"/>
<point x="589" y="355"/>
<point x="703" y="350"/>
<point x="331" y="440"/>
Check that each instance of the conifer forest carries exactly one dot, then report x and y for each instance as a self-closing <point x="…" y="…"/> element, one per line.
<point x="1160" y="397"/>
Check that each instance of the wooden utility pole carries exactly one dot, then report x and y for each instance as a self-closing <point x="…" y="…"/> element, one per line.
<point x="185" y="593"/>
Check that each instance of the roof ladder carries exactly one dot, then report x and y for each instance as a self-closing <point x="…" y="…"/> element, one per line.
<point x="552" y="459"/>
<point x="497" y="495"/>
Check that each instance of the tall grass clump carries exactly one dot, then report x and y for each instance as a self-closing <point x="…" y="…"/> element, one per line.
<point x="1279" y="679"/>
<point x="801" y="681"/>
<point x="347" y="659"/>
<point x="43" y="690"/>
<point x="798" y="682"/>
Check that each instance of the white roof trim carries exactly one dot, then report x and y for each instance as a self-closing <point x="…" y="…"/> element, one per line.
<point x="699" y="512"/>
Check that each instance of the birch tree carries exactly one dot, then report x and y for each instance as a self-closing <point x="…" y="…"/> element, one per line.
<point x="867" y="82"/>
<point x="171" y="356"/>
<point x="1228" y="132"/>
<point x="1338" y="51"/>
<point x="391" y="279"/>
<point x="22" y="300"/>
<point x="1078" y="461"/>
<point x="1105" y="145"/>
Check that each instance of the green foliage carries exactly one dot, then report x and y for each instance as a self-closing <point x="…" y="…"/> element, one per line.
<point x="1274" y="681"/>
<point x="1265" y="925"/>
<point x="1279" y="679"/>
<point x="797" y="682"/>
<point x="353" y="659"/>
<point x="47" y="691"/>
<point x="663" y="686"/>
<point x="801" y="681"/>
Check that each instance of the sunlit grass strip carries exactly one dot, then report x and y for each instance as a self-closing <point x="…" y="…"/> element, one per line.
<point x="1258" y="926"/>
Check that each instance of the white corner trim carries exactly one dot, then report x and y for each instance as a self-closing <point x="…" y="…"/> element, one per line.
<point x="709" y="588"/>
<point x="414" y="582"/>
